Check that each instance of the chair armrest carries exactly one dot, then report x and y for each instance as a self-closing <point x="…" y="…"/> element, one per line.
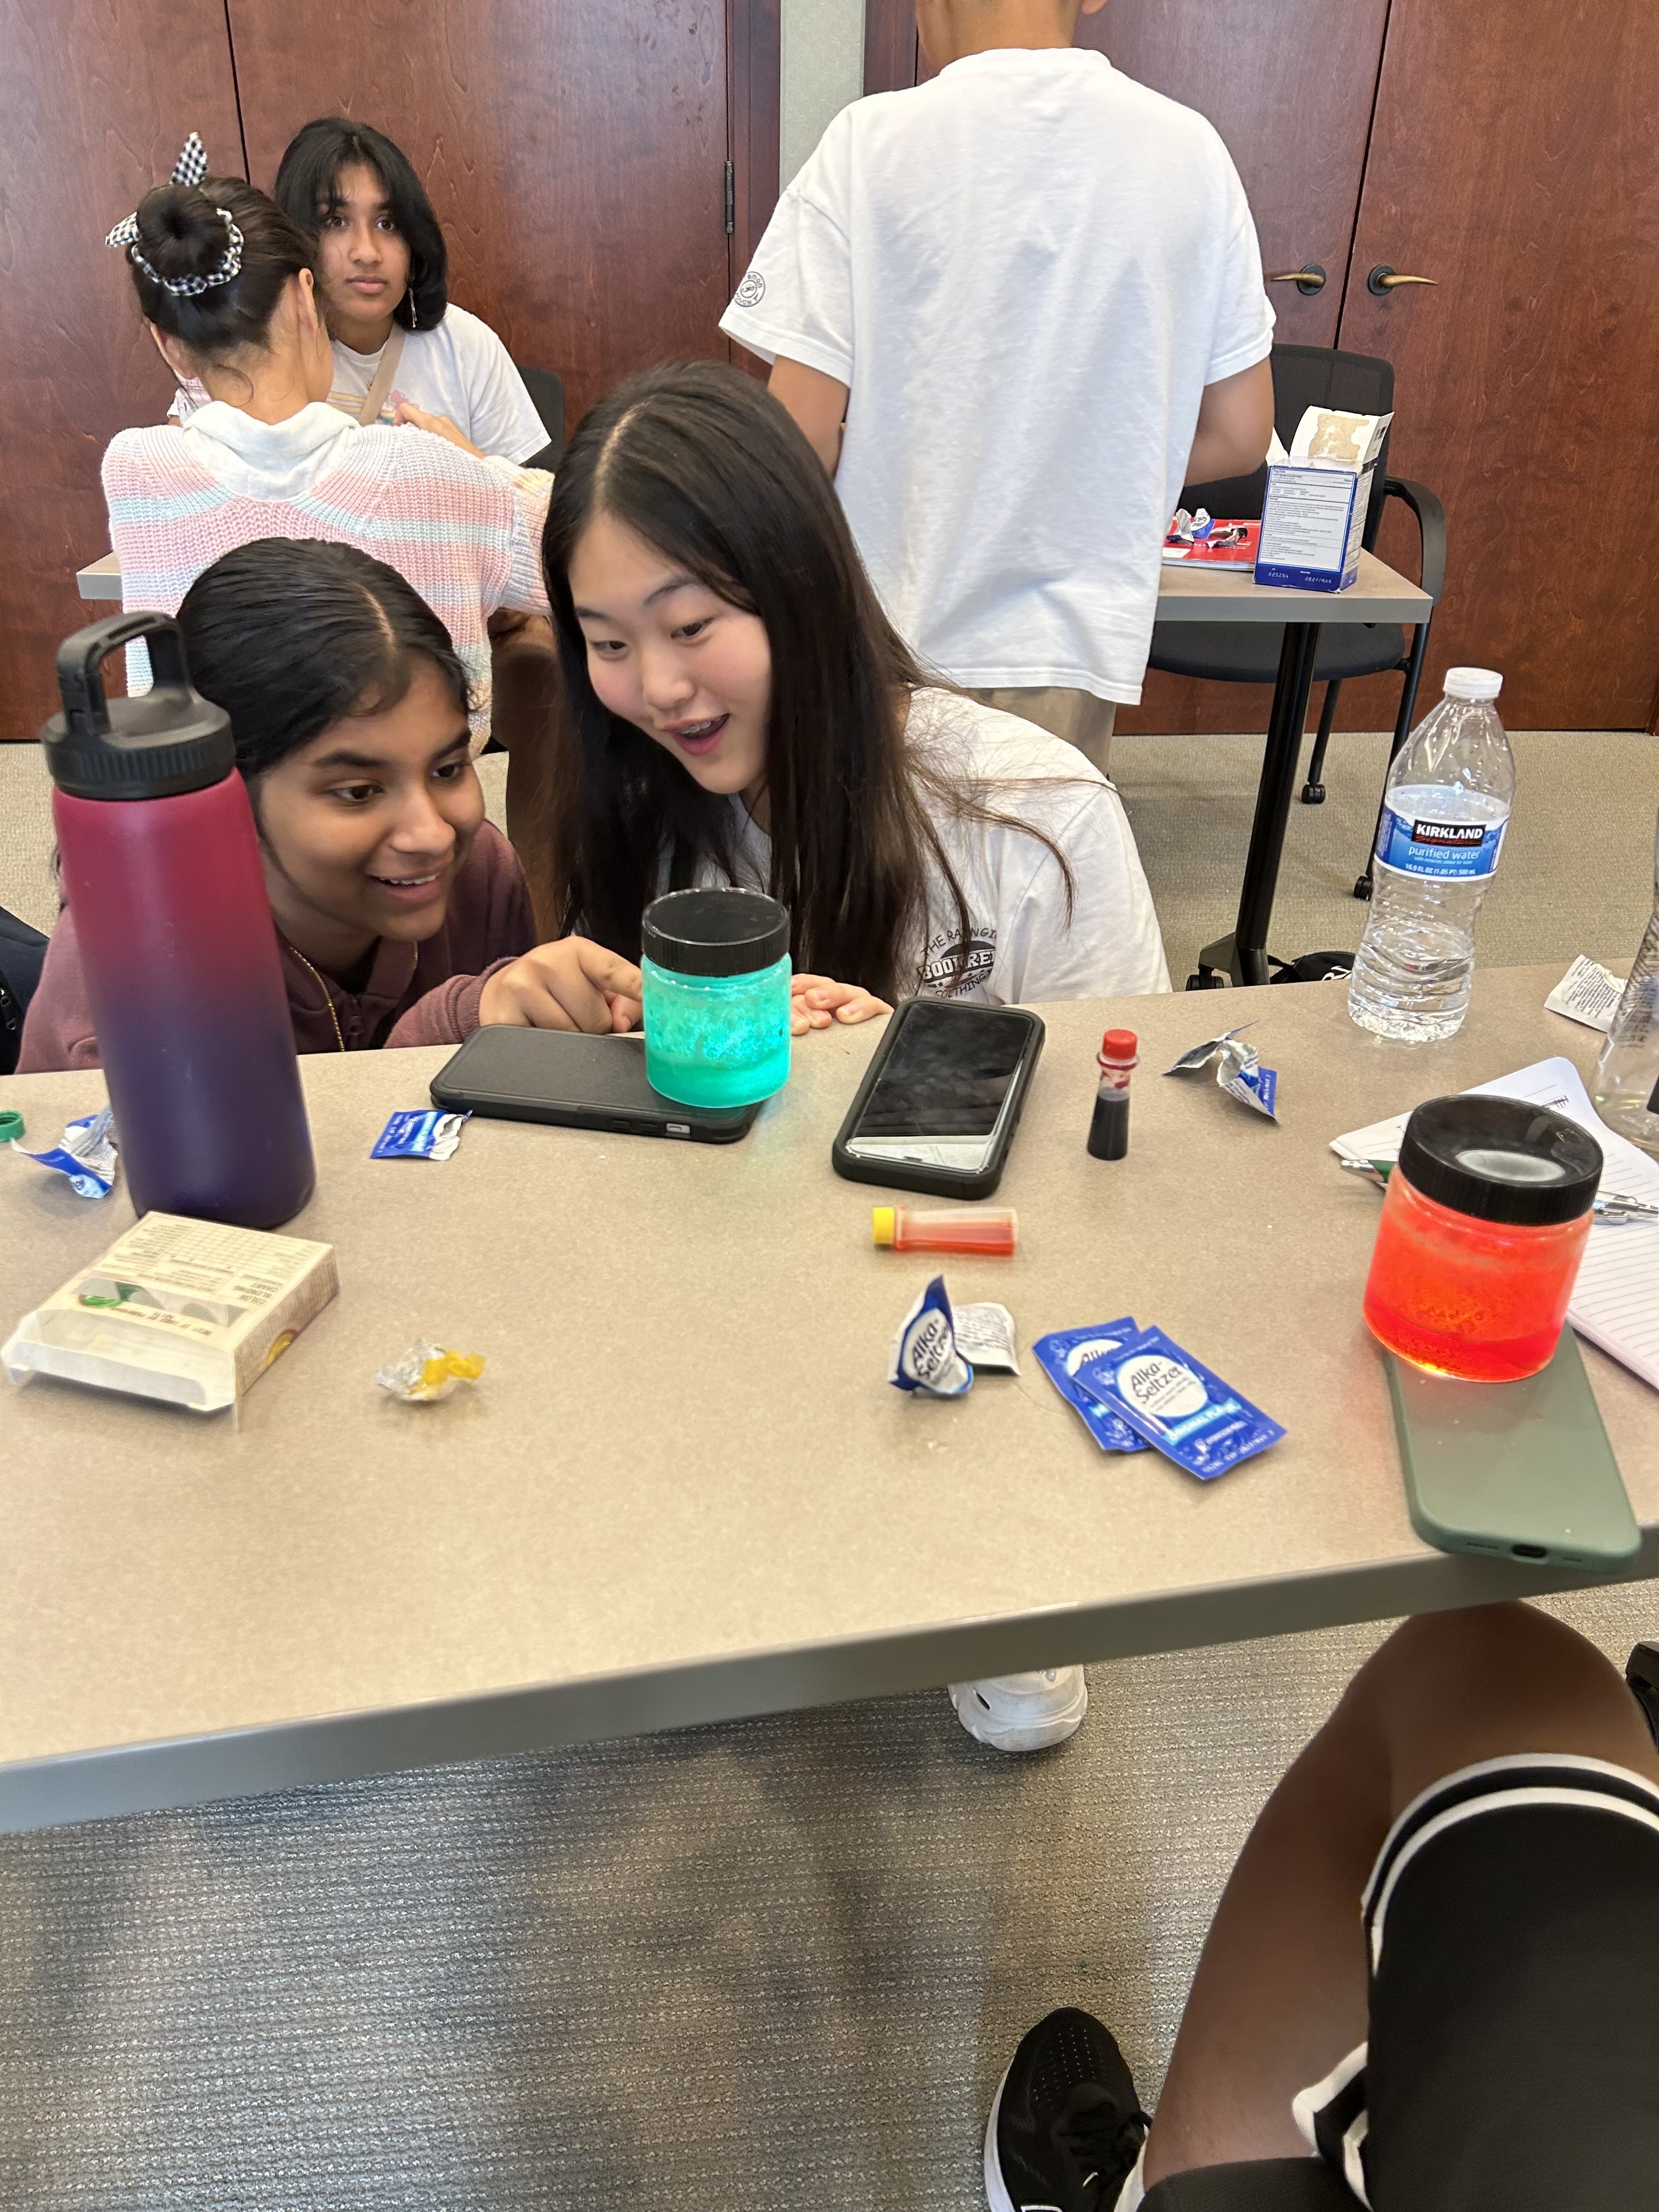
<point x="1432" y="528"/>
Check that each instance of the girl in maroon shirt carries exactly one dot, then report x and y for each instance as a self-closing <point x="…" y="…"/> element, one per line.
<point x="401" y="913"/>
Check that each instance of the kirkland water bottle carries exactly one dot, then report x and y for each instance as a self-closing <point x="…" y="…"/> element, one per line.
<point x="160" y="864"/>
<point x="1444" y="813"/>
<point x="1626" y="1085"/>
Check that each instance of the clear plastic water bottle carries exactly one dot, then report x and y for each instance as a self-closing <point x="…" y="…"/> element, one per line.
<point x="1444" y="813"/>
<point x="1626" y="1085"/>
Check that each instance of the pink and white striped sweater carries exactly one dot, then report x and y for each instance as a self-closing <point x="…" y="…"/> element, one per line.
<point x="466" y="532"/>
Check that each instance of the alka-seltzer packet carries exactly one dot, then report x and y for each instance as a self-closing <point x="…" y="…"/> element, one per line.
<point x="1178" y="1404"/>
<point x="925" y="1355"/>
<point x="1238" y="1070"/>
<point x="420" y="1135"/>
<point x="86" y="1155"/>
<point x="1063" y="1352"/>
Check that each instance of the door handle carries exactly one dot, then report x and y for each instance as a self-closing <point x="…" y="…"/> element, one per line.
<point x="1382" y="279"/>
<point x="1309" y="279"/>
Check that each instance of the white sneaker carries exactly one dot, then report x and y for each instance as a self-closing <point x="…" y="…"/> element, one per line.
<point x="1023" y="1712"/>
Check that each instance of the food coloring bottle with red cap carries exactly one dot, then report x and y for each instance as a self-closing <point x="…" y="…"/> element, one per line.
<point x="1108" y="1132"/>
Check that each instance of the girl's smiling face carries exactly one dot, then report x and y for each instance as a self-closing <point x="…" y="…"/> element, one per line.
<point x="363" y="829"/>
<point x="673" y="657"/>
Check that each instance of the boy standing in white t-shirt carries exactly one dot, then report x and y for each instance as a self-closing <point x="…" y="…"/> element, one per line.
<point x="1015" y="310"/>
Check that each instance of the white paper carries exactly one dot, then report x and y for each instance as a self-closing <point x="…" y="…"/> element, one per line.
<point x="1615" y="1301"/>
<point x="1587" y="993"/>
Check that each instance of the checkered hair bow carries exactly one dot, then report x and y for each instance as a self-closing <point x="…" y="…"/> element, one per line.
<point x="190" y="168"/>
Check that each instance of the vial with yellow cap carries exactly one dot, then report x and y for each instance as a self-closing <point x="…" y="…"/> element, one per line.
<point x="990" y="1229"/>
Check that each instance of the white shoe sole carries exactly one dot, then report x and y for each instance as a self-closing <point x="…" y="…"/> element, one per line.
<point x="996" y="2189"/>
<point x="1002" y="1736"/>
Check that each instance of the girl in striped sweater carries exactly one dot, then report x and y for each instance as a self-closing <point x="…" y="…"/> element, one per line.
<point x="227" y="285"/>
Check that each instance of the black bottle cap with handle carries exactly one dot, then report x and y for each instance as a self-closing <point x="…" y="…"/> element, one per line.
<point x="167" y="740"/>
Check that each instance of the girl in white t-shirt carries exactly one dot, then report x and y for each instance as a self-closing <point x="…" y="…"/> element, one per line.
<point x="383" y="279"/>
<point x="738" y="708"/>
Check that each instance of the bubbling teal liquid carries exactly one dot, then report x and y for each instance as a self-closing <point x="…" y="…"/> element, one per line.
<point x="717" y="1040"/>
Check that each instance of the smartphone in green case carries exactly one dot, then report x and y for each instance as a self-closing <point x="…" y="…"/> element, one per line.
<point x="1520" y="1470"/>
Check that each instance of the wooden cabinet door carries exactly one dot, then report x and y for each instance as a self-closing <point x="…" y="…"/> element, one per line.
<point x="95" y="103"/>
<point x="1512" y="161"/>
<point x="575" y="153"/>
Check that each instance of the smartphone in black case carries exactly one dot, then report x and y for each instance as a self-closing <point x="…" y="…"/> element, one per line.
<point x="576" y="1082"/>
<point x="939" y="1103"/>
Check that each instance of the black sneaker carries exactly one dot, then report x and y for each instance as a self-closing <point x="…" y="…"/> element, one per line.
<point x="1066" y="2126"/>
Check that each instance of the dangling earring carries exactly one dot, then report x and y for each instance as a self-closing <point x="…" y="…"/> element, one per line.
<point x="414" y="319"/>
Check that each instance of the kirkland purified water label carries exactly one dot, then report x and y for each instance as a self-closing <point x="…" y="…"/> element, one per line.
<point x="1436" y="833"/>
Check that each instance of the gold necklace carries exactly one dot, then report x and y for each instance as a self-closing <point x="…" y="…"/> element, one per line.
<point x="328" y="996"/>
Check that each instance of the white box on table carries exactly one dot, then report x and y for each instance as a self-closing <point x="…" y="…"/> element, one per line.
<point x="1314" y="515"/>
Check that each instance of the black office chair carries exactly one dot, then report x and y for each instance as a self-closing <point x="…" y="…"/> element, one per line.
<point x="546" y="390"/>
<point x="1248" y="653"/>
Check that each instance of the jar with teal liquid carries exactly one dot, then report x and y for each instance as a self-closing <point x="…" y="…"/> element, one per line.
<point x="716" y="969"/>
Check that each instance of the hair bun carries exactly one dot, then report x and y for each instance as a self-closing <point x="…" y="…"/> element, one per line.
<point x="181" y="232"/>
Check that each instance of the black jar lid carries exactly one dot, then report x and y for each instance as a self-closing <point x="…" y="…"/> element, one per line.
<point x="1500" y="1159"/>
<point x="715" y="933"/>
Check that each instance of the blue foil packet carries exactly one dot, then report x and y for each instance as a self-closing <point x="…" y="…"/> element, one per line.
<point x="86" y="1155"/>
<point x="1256" y="1086"/>
<point x="925" y="1356"/>
<point x="1179" y="1405"/>
<point x="420" y="1135"/>
<point x="1063" y="1352"/>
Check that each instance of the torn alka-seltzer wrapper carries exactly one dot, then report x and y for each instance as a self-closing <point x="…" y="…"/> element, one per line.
<point x="419" y="1133"/>
<point x="1063" y="1351"/>
<point x="1179" y="1405"/>
<point x="87" y="1154"/>
<point x="925" y="1355"/>
<point x="1238" y="1072"/>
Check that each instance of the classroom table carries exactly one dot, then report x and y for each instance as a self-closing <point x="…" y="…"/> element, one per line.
<point x="683" y="1490"/>
<point x="1378" y="594"/>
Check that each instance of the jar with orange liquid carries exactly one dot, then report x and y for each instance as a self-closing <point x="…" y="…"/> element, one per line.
<point x="1484" y="1224"/>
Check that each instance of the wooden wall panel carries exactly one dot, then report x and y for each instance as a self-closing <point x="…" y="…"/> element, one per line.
<point x="96" y="98"/>
<point x="576" y="154"/>
<point x="1512" y="160"/>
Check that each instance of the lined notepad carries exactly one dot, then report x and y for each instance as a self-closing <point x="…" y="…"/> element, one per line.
<point x="1615" y="1301"/>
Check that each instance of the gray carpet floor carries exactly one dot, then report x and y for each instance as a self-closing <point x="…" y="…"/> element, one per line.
<point x="751" y="1965"/>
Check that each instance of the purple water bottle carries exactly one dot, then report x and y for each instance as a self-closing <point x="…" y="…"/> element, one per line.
<point x="160" y="862"/>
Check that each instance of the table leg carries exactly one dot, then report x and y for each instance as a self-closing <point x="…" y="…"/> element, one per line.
<point x="1243" y="955"/>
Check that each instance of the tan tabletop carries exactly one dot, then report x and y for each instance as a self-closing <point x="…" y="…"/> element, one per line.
<point x="1378" y="594"/>
<point x="684" y="1489"/>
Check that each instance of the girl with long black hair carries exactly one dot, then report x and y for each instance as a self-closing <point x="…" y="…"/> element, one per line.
<point x="738" y="708"/>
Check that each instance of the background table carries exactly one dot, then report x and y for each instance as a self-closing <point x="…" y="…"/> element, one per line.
<point x="684" y="1490"/>
<point x="1378" y="594"/>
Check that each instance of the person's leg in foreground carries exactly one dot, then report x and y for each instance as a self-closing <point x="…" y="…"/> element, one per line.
<point x="1504" y="1966"/>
